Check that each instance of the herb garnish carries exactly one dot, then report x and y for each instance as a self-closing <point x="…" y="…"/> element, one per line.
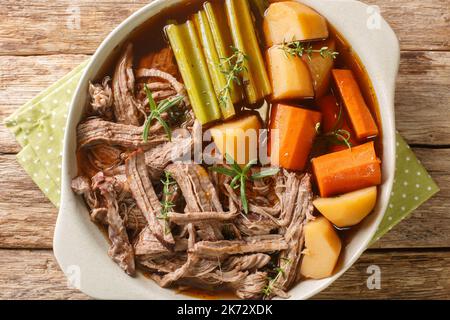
<point x="299" y="49"/>
<point x="166" y="203"/>
<point x="156" y="112"/>
<point x="240" y="176"/>
<point x="337" y="135"/>
<point x="267" y="291"/>
<point x="231" y="67"/>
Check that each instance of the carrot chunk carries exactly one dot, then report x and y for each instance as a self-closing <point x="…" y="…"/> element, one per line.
<point x="360" y="117"/>
<point x="291" y="144"/>
<point x="334" y="118"/>
<point x="347" y="170"/>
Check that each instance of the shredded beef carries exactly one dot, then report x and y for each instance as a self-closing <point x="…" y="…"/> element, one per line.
<point x="102" y="99"/>
<point x="126" y="107"/>
<point x="158" y="158"/>
<point x="146" y="199"/>
<point x="197" y="189"/>
<point x="226" y="248"/>
<point x="252" y="286"/>
<point x="120" y="250"/>
<point x="96" y="131"/>
<point x="200" y="196"/>
<point x="302" y="209"/>
<point x="198" y="217"/>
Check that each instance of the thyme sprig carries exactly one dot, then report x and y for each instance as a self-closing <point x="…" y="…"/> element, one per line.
<point x="156" y="112"/>
<point x="299" y="49"/>
<point x="337" y="135"/>
<point x="279" y="272"/>
<point x="166" y="203"/>
<point x="267" y="291"/>
<point x="240" y="176"/>
<point x="232" y="67"/>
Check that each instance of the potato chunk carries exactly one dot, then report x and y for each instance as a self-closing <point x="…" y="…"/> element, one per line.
<point x="348" y="209"/>
<point x="291" y="21"/>
<point x="289" y="75"/>
<point x="320" y="67"/>
<point x="238" y="138"/>
<point x="323" y="247"/>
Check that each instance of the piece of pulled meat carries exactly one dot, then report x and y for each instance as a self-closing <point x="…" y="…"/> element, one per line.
<point x="121" y="251"/>
<point x="102" y="99"/>
<point x="95" y="131"/>
<point x="146" y="198"/>
<point x="126" y="107"/>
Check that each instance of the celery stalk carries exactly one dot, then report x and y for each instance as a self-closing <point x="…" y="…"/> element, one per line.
<point x="194" y="71"/>
<point x="255" y="79"/>
<point x="220" y="31"/>
<point x="219" y="80"/>
<point x="259" y="8"/>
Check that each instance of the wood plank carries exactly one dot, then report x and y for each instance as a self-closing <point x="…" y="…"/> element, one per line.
<point x="26" y="274"/>
<point x="423" y="94"/>
<point x="404" y="275"/>
<point x="419" y="24"/>
<point x="33" y="274"/>
<point x="423" y="97"/>
<point x="21" y="79"/>
<point x="60" y="26"/>
<point x="27" y="221"/>
<point x="65" y="26"/>
<point x="27" y="218"/>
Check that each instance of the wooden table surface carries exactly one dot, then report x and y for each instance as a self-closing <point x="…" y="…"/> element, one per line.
<point x="41" y="40"/>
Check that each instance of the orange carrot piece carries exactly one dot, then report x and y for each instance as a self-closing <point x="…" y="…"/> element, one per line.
<point x="330" y="121"/>
<point x="347" y="170"/>
<point x="296" y="133"/>
<point x="360" y="117"/>
<point x="330" y="112"/>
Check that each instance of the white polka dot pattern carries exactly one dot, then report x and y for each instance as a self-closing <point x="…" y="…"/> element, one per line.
<point x="411" y="189"/>
<point x="39" y="128"/>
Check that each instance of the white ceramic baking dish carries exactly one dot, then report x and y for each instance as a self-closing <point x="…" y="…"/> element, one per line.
<point x="81" y="249"/>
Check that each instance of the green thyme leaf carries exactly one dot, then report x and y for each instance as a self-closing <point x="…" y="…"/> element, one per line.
<point x="232" y="67"/>
<point x="240" y="176"/>
<point x="156" y="112"/>
<point x="265" y="173"/>
<point x="299" y="49"/>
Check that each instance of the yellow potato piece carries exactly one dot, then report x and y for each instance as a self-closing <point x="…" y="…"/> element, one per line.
<point x="292" y="21"/>
<point x="320" y="67"/>
<point x="290" y="76"/>
<point x="349" y="209"/>
<point x="323" y="247"/>
<point x="238" y="138"/>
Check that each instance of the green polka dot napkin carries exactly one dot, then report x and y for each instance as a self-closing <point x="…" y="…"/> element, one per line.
<point x="39" y="128"/>
<point x="412" y="187"/>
